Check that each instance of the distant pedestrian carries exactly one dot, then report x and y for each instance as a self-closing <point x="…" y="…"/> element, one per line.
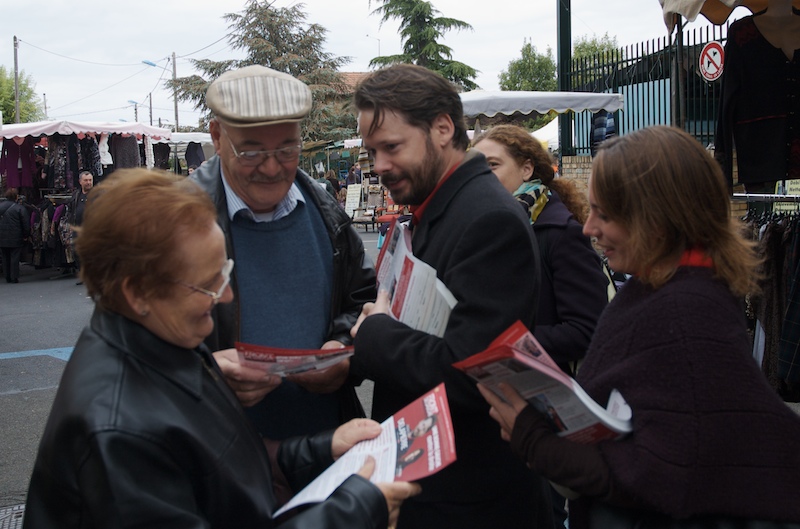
<point x="75" y="212"/>
<point x="15" y="228"/>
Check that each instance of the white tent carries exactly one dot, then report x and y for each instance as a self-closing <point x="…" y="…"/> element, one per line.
<point x="490" y="103"/>
<point x="48" y="128"/>
<point x="548" y="135"/>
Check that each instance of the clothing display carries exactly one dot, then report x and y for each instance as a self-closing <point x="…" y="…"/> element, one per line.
<point x="145" y="433"/>
<point x="90" y="157"/>
<point x="124" y="150"/>
<point x="194" y="154"/>
<point x="759" y="113"/>
<point x="17" y="162"/>
<point x="476" y="236"/>
<point x="776" y="311"/>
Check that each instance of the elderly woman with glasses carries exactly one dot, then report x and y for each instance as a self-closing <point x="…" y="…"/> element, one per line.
<point x="144" y="432"/>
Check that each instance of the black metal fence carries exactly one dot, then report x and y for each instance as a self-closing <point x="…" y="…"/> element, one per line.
<point x="661" y="82"/>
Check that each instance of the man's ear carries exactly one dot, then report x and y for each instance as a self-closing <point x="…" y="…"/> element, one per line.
<point x="216" y="131"/>
<point x="442" y="130"/>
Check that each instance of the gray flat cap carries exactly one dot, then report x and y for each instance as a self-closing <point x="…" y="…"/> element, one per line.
<point x="257" y="95"/>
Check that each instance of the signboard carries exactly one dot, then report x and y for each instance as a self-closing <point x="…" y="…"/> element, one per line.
<point x="353" y="200"/>
<point x="712" y="60"/>
<point x="786" y="187"/>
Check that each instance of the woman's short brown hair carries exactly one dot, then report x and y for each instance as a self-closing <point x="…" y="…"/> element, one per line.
<point x="669" y="193"/>
<point x="131" y="227"/>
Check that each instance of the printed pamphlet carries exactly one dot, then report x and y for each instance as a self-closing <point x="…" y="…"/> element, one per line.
<point x="418" y="298"/>
<point x="282" y="362"/>
<point x="416" y="442"/>
<point x="517" y="359"/>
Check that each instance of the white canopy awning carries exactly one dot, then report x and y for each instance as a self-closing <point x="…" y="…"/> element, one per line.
<point x="490" y="103"/>
<point x="48" y="128"/>
<point x="181" y="138"/>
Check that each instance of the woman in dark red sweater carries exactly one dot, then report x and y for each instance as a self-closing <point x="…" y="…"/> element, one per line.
<point x="711" y="440"/>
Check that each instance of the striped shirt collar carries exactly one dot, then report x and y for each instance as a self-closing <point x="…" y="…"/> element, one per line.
<point x="284" y="207"/>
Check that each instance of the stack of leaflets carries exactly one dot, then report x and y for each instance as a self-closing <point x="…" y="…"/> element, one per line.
<point x="418" y="298"/>
<point x="518" y="360"/>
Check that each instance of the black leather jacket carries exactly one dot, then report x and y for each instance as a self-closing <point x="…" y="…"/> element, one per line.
<point x="145" y="434"/>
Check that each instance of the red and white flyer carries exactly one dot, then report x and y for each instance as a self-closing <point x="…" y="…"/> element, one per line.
<point x="281" y="361"/>
<point x="416" y="442"/>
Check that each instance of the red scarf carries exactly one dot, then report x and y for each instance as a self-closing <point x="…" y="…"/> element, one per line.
<point x="417" y="211"/>
<point x="697" y="257"/>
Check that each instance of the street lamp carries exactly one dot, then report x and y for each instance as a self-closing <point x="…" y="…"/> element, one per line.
<point x="379" y="44"/>
<point x="135" y="109"/>
<point x="174" y="86"/>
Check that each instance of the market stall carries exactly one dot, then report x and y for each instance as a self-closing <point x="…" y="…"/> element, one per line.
<point x="46" y="156"/>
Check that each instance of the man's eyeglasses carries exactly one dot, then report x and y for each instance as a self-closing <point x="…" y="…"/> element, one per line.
<point x="256" y="158"/>
<point x="226" y="278"/>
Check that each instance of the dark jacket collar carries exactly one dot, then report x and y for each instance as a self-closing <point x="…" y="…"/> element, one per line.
<point x="473" y="166"/>
<point x="182" y="366"/>
<point x="555" y="213"/>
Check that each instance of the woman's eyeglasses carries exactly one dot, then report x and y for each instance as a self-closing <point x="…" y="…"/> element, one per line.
<point x="226" y="278"/>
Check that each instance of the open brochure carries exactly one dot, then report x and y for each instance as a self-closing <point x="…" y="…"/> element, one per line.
<point x="281" y="361"/>
<point x="418" y="298"/>
<point x="416" y="442"/>
<point x="517" y="359"/>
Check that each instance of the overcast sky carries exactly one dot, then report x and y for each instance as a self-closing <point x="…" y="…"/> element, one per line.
<point x="86" y="58"/>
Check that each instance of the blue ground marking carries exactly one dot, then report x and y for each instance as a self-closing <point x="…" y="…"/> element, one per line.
<point x="62" y="353"/>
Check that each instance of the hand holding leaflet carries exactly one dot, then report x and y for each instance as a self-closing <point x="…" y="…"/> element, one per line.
<point x="415" y="442"/>
<point x="516" y="359"/>
<point x="282" y="361"/>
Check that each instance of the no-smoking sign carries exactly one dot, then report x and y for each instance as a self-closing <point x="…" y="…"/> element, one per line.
<point x="712" y="59"/>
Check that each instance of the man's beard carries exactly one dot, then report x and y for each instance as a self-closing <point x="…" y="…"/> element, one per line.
<point x="422" y="178"/>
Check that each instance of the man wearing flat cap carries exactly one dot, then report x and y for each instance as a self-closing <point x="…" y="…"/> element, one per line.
<point x="301" y="274"/>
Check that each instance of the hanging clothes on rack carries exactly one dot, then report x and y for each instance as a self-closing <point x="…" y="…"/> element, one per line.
<point x="90" y="155"/>
<point x="777" y="307"/>
<point x="18" y="162"/>
<point x="125" y="151"/>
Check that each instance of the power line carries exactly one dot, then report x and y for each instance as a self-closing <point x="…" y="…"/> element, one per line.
<point x="101" y="90"/>
<point x="73" y="58"/>
<point x="204" y="47"/>
<point x="92" y="112"/>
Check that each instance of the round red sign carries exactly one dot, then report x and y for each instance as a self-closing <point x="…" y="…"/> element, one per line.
<point x="712" y="59"/>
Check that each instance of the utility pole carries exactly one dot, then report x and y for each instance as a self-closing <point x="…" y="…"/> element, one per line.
<point x="150" y="98"/>
<point x="44" y="96"/>
<point x="16" y="81"/>
<point x="175" y="90"/>
<point x="564" y="58"/>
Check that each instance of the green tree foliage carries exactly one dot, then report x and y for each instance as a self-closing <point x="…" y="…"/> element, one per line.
<point x="30" y="108"/>
<point x="532" y="71"/>
<point x="281" y="39"/>
<point x="421" y="27"/>
<point x="592" y="61"/>
<point x="602" y="47"/>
